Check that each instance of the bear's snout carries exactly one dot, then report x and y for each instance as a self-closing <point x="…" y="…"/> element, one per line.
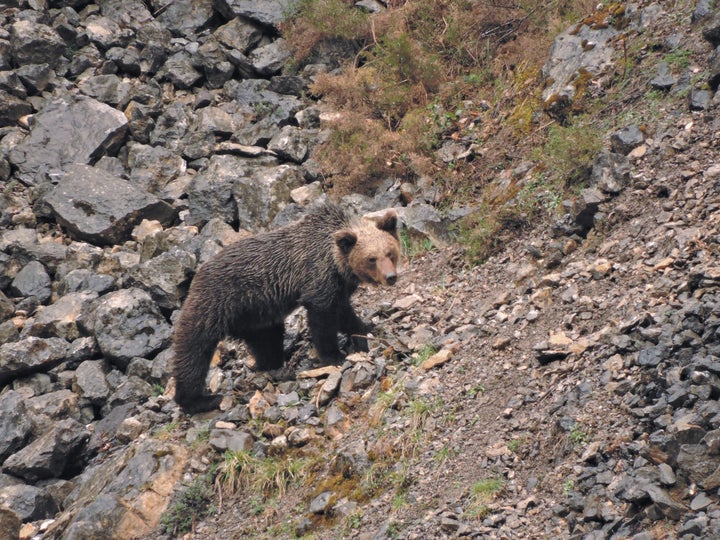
<point x="390" y="278"/>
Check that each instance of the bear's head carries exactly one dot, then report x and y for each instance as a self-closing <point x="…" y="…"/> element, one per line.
<point x="370" y="250"/>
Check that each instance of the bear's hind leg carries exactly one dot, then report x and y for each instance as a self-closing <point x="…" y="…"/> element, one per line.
<point x="266" y="346"/>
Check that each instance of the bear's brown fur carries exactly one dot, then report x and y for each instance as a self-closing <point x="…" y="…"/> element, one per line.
<point x="248" y="289"/>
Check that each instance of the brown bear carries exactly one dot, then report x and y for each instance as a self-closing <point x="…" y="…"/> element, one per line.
<point x="248" y="289"/>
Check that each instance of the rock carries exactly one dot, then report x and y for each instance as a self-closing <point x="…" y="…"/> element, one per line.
<point x="30" y="355"/>
<point x="610" y="172"/>
<point x="321" y="503"/>
<point x="700" y="99"/>
<point x="271" y="58"/>
<point x="10" y="522"/>
<point x="166" y="277"/>
<point x="290" y="143"/>
<point x="127" y="323"/>
<point x="15" y="424"/>
<point x="329" y="387"/>
<point x="28" y="503"/>
<point x="90" y="382"/>
<point x="12" y="108"/>
<point x="227" y="439"/>
<point x="35" y="43"/>
<point x="664" y="79"/>
<point x="437" y="359"/>
<point x="570" y="57"/>
<point x="32" y="280"/>
<point x="265" y="12"/>
<point x="186" y="18"/>
<point x="262" y="194"/>
<point x="210" y="194"/>
<point x="53" y="455"/>
<point x="625" y="140"/>
<point x="124" y="495"/>
<point x="82" y="279"/>
<point x="60" y="319"/>
<point x="98" y="207"/>
<point x="90" y="130"/>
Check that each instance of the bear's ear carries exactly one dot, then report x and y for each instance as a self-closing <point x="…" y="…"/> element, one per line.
<point x="345" y="240"/>
<point x="388" y="222"/>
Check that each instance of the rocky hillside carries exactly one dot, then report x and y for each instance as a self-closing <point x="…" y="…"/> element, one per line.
<point x="566" y="388"/>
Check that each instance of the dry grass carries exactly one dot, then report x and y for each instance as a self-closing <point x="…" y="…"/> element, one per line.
<point x="428" y="72"/>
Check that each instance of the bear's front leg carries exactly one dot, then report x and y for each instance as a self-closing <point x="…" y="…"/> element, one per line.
<point x="353" y="326"/>
<point x="323" y="333"/>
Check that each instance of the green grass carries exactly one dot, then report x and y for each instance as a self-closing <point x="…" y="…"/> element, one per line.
<point x="482" y="493"/>
<point x="193" y="504"/>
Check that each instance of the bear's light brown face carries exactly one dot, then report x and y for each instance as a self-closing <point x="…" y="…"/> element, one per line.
<point x="371" y="249"/>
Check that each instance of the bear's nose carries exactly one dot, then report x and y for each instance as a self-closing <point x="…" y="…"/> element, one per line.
<point x="391" y="278"/>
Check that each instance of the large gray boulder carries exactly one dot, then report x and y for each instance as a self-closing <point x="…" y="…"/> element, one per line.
<point x="68" y="130"/>
<point x="96" y="206"/>
<point x="265" y="12"/>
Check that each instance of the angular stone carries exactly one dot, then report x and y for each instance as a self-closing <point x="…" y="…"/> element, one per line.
<point x="90" y="382"/>
<point x="28" y="503"/>
<point x="12" y="108"/>
<point x="210" y="194"/>
<point x="166" y="277"/>
<point x="261" y="195"/>
<point x="15" y="424"/>
<point x="265" y="12"/>
<point x="35" y="43"/>
<point x="98" y="207"/>
<point x="60" y="319"/>
<point x="65" y="131"/>
<point x="30" y="355"/>
<point x="127" y="323"/>
<point x="228" y="439"/>
<point x="626" y="139"/>
<point x="664" y="79"/>
<point x="610" y="172"/>
<point x="50" y="455"/>
<point x="32" y="280"/>
<point x="186" y="17"/>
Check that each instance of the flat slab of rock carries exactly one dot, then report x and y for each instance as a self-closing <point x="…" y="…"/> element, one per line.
<point x="98" y="207"/>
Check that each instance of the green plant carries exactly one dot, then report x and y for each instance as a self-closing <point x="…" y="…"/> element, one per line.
<point x="569" y="151"/>
<point x="412" y="246"/>
<point x="423" y="354"/>
<point x="163" y="432"/>
<point x="515" y="444"/>
<point x="678" y="57"/>
<point x="476" y="390"/>
<point x="482" y="493"/>
<point x="193" y="504"/>
<point x="353" y="521"/>
<point x="578" y="435"/>
<point x="568" y="486"/>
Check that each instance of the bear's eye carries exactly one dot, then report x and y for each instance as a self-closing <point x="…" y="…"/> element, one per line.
<point x="372" y="261"/>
